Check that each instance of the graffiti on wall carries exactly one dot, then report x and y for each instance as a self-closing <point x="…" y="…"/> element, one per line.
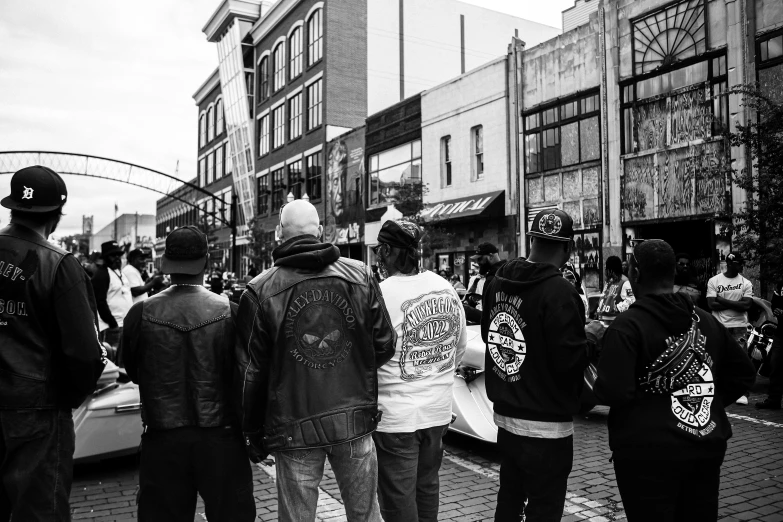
<point x="673" y="120"/>
<point x="344" y="221"/>
<point x="686" y="181"/>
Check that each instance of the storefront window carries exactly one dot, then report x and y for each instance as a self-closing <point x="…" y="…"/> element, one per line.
<point x="391" y="168"/>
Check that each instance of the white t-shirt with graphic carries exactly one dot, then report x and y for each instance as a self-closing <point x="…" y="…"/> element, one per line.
<point x="415" y="386"/>
<point x="733" y="289"/>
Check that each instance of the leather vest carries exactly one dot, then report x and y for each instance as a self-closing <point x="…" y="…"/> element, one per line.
<point x="30" y="370"/>
<point x="185" y="359"/>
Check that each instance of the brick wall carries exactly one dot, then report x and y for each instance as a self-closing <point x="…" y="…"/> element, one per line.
<point x="345" y="95"/>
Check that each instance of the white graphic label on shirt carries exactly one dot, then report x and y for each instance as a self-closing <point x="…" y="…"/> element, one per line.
<point x="505" y="341"/>
<point x="430" y="333"/>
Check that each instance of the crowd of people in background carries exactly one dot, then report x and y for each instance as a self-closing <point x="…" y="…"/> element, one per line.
<point x="319" y="361"/>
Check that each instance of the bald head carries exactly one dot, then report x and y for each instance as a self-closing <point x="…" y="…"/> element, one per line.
<point x="299" y="218"/>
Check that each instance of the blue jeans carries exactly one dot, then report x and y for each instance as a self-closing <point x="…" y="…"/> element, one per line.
<point x="36" y="464"/>
<point x="355" y="466"/>
<point x="408" y="465"/>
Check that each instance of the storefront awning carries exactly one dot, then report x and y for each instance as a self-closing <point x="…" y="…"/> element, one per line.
<point x="468" y="206"/>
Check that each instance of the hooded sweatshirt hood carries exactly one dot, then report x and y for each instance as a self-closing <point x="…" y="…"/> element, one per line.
<point x="673" y="311"/>
<point x="519" y="275"/>
<point x="305" y="252"/>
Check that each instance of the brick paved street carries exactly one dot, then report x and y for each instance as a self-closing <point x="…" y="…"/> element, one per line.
<point x="751" y="485"/>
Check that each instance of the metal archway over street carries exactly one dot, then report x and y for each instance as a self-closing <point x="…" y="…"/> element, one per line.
<point x="114" y="170"/>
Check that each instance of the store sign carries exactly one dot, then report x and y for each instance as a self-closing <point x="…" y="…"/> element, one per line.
<point x="462" y="207"/>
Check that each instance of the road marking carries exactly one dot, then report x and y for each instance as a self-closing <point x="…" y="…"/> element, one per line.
<point x="574" y="505"/>
<point x="755" y="420"/>
<point x="328" y="507"/>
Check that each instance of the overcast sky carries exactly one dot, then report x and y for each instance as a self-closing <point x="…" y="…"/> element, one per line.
<point x="115" y="78"/>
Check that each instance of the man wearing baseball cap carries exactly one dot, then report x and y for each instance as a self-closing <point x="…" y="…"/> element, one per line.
<point x="488" y="261"/>
<point x="730" y="296"/>
<point x="50" y="357"/>
<point x="112" y="295"/>
<point x="132" y="272"/>
<point x="537" y="350"/>
<point x="178" y="346"/>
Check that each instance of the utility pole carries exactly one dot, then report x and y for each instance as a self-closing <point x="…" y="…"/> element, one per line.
<point x="234" y="254"/>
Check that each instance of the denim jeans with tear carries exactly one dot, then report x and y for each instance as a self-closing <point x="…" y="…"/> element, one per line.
<point x="355" y="466"/>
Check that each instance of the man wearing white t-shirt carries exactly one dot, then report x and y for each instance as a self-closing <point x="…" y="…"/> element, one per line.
<point x="132" y="271"/>
<point x="415" y="386"/>
<point x="730" y="296"/>
<point x="112" y="295"/>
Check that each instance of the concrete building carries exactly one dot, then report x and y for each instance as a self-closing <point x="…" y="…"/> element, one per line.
<point x="625" y="127"/>
<point x="129" y="230"/>
<point x="466" y="161"/>
<point x="293" y="75"/>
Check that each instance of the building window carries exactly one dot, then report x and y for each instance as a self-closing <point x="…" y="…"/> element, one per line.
<point x="278" y="123"/>
<point x="771" y="48"/>
<point x="477" y="148"/>
<point x="202" y="131"/>
<point x="314" y="105"/>
<point x="263" y="193"/>
<point x="210" y="168"/>
<point x="278" y="63"/>
<point x="263" y="79"/>
<point x="219" y="118"/>
<point x="295" y="51"/>
<point x="202" y="172"/>
<point x="313" y="183"/>
<point x="295" y="117"/>
<point x="263" y="135"/>
<point x="390" y="168"/>
<point x="295" y="179"/>
<point x="278" y="189"/>
<point x="229" y="165"/>
<point x="445" y="154"/>
<point x="219" y="163"/>
<point x="562" y="135"/>
<point x="314" y="38"/>
<point x="669" y="35"/>
<point x="210" y="124"/>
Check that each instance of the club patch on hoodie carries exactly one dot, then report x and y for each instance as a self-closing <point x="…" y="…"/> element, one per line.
<point x="684" y="371"/>
<point x="505" y="341"/>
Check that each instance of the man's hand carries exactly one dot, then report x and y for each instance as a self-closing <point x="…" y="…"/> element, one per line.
<point x="595" y="335"/>
<point x="778" y="312"/>
<point x="255" y="451"/>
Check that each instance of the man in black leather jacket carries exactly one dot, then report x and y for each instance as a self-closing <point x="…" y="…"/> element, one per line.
<point x="179" y="347"/>
<point x="312" y="331"/>
<point x="50" y="357"/>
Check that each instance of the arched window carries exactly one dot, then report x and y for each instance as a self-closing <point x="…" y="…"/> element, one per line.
<point x="278" y="62"/>
<point x="219" y="117"/>
<point x="315" y="47"/>
<point x="295" y="52"/>
<point x="263" y="79"/>
<point x="210" y="124"/>
<point x="202" y="131"/>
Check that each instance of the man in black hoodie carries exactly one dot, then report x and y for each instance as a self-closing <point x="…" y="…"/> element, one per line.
<point x="667" y="370"/>
<point x="537" y="350"/>
<point x="312" y="332"/>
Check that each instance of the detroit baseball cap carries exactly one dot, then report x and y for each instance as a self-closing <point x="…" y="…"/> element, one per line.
<point x="553" y="224"/>
<point x="734" y="257"/>
<point x="186" y="251"/>
<point x="36" y="189"/>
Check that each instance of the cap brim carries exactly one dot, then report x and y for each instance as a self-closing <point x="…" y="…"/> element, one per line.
<point x="476" y="257"/>
<point x="9" y="203"/>
<point x="551" y="238"/>
<point x="182" y="266"/>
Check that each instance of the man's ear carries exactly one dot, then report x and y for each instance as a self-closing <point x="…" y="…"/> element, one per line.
<point x="279" y="231"/>
<point x="320" y="231"/>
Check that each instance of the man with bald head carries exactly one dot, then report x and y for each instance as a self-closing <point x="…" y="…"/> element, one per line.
<point x="312" y="332"/>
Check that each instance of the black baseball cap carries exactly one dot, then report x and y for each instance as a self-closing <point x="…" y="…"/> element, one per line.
<point x="553" y="224"/>
<point x="186" y="251"/>
<point x="484" y="249"/>
<point x="111" y="247"/>
<point x="734" y="257"/>
<point x="36" y="189"/>
<point x="139" y="252"/>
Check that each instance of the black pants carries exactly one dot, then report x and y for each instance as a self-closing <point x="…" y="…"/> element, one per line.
<point x="408" y="465"/>
<point x="177" y="464"/>
<point x="535" y="471"/>
<point x="669" y="490"/>
<point x="36" y="464"/>
<point x="776" y="372"/>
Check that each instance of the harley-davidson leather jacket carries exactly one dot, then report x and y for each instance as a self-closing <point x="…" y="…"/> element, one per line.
<point x="311" y="333"/>
<point x="50" y="357"/>
<point x="178" y="346"/>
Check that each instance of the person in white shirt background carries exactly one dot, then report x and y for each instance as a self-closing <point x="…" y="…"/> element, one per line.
<point x="730" y="296"/>
<point x="139" y="289"/>
<point x="112" y="296"/>
<point x="617" y="296"/>
<point x="415" y="386"/>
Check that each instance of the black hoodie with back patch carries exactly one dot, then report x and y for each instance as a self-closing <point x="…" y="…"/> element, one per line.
<point x="667" y="370"/>
<point x="533" y="325"/>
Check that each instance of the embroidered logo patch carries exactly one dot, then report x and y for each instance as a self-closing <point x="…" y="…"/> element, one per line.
<point x="27" y="193"/>
<point x="550" y="224"/>
<point x="505" y="341"/>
